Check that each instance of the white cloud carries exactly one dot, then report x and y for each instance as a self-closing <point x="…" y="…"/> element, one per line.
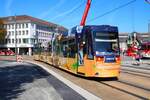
<point x="48" y="11"/>
<point x="67" y="12"/>
<point x="8" y="7"/>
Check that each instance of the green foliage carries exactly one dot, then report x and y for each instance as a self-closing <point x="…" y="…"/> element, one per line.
<point x="75" y="65"/>
<point x="3" y="32"/>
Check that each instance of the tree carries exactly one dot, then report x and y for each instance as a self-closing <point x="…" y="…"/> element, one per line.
<point x="2" y="32"/>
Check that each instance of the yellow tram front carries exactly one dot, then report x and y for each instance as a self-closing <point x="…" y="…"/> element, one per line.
<point x="98" y="52"/>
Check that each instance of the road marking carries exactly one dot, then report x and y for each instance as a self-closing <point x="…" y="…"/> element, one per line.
<point x="87" y="95"/>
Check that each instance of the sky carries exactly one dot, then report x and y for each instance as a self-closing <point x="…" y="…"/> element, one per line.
<point x="68" y="13"/>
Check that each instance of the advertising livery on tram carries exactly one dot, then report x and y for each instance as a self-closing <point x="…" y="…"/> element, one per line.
<point x="87" y="50"/>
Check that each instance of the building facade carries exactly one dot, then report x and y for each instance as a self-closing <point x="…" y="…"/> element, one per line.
<point x="143" y="37"/>
<point x="29" y="32"/>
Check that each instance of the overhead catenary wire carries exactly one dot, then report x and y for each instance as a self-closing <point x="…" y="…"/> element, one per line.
<point x="74" y="10"/>
<point x="112" y="10"/>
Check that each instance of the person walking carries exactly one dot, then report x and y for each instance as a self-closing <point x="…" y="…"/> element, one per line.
<point x="81" y="54"/>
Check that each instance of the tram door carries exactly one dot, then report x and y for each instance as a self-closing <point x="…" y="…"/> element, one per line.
<point x="81" y="45"/>
<point x="85" y="53"/>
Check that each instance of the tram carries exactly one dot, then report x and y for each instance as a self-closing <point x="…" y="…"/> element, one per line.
<point x="92" y="53"/>
<point x="87" y="50"/>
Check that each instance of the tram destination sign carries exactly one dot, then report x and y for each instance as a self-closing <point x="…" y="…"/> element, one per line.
<point x="106" y="35"/>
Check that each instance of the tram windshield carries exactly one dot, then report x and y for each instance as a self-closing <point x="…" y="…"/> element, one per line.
<point x="106" y="43"/>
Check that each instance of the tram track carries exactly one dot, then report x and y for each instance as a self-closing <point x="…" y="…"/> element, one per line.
<point x="136" y="73"/>
<point x="134" y="85"/>
<point x="144" y="68"/>
<point x="125" y="90"/>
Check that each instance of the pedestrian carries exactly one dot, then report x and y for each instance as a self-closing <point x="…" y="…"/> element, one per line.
<point x="138" y="58"/>
<point x="81" y="54"/>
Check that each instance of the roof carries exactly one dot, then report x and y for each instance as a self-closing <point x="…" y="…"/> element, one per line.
<point x="32" y="19"/>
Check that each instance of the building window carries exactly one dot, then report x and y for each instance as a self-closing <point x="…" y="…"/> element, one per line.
<point x="16" y="40"/>
<point x="16" y="32"/>
<point x="22" y="25"/>
<point x="26" y="25"/>
<point x="12" y="26"/>
<point x="23" y="32"/>
<point x="12" y="33"/>
<point x="12" y="40"/>
<point x="32" y="41"/>
<point x="19" y="25"/>
<point x="8" y="41"/>
<point x="27" y="32"/>
<point x="19" y="32"/>
<point x="25" y="40"/>
<point x="19" y="40"/>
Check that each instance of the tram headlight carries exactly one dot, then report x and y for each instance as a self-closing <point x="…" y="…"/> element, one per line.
<point x="118" y="59"/>
<point x="99" y="59"/>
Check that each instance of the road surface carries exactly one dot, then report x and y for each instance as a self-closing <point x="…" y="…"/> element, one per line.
<point x="24" y="81"/>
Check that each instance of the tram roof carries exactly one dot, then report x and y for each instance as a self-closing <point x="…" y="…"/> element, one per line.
<point x="102" y="28"/>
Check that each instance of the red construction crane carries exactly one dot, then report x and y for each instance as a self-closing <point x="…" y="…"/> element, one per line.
<point x="85" y="12"/>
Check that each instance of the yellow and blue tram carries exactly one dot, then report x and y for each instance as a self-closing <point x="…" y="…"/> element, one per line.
<point x="93" y="52"/>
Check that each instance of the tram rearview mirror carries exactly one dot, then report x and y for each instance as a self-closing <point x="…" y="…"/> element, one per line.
<point x="79" y="29"/>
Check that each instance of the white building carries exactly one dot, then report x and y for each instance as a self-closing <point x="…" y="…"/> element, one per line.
<point x="29" y="32"/>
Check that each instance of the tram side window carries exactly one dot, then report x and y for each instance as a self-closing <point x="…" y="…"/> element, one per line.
<point x="65" y="50"/>
<point x="72" y="48"/>
<point x="49" y="51"/>
<point x="72" y="51"/>
<point x="90" y="47"/>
